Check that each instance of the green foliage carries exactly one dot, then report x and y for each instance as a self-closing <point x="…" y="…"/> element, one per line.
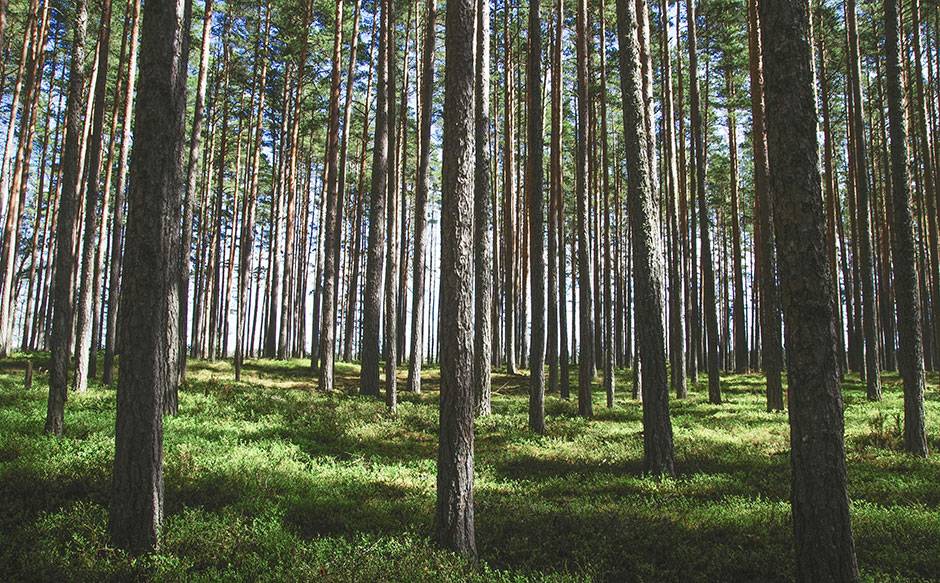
<point x="268" y="479"/>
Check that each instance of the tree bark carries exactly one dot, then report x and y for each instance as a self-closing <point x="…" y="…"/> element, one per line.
<point x="824" y="550"/>
<point x="647" y="250"/>
<point x="911" y="352"/>
<point x="331" y="228"/>
<point x="150" y="299"/>
<point x="585" y="294"/>
<point x="375" y="266"/>
<point x="60" y="339"/>
<point x="866" y="268"/>
<point x="482" y="210"/>
<point x="454" y="518"/>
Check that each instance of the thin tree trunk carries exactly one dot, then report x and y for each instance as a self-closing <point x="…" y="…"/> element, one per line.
<point x="910" y="353"/>
<point x="60" y="339"/>
<point x="117" y="221"/>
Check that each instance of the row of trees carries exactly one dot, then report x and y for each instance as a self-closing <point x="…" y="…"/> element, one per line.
<point x="682" y="252"/>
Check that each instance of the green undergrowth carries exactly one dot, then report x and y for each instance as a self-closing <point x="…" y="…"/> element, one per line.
<point x="269" y="479"/>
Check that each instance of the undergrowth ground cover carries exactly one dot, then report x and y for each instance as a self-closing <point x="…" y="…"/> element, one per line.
<point x="270" y="479"/>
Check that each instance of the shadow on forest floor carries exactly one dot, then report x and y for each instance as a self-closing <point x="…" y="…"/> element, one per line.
<point x="271" y="478"/>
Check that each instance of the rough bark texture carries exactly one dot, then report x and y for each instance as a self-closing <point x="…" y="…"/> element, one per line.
<point x="910" y="341"/>
<point x="375" y="263"/>
<point x="482" y="210"/>
<point x="647" y="251"/>
<point x="454" y="518"/>
<point x="825" y="550"/>
<point x="60" y="339"/>
<point x="150" y="300"/>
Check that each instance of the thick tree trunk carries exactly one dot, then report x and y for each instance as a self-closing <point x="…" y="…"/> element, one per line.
<point x="454" y="517"/>
<point x="150" y="300"/>
<point x="824" y="547"/>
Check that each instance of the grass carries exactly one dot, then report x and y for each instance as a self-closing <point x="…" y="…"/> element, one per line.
<point x="269" y="479"/>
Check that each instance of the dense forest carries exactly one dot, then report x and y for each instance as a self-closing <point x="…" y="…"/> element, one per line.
<point x="470" y="290"/>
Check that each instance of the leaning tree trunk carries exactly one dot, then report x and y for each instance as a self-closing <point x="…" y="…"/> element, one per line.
<point x="647" y="251"/>
<point x="149" y="300"/>
<point x="911" y="351"/>
<point x="60" y="339"/>
<point x="454" y="517"/>
<point x="825" y="550"/>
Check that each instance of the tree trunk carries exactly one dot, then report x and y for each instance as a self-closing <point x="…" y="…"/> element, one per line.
<point x="151" y="280"/>
<point x="454" y="517"/>
<point x="866" y="268"/>
<point x="117" y="221"/>
<point x="331" y="228"/>
<point x="375" y="266"/>
<point x="771" y="347"/>
<point x="87" y="277"/>
<point x="647" y="250"/>
<point x="535" y="178"/>
<point x="585" y="294"/>
<point x="824" y="547"/>
<point x="482" y="209"/>
<point x="910" y="353"/>
<point x="60" y="339"/>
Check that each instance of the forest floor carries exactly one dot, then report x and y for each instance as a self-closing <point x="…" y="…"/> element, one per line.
<point x="268" y="479"/>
